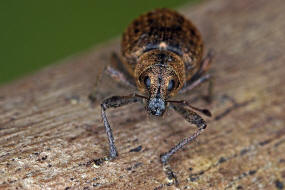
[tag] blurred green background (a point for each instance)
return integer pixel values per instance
(36, 33)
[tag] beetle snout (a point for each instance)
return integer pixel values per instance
(156, 106)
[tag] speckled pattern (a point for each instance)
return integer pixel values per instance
(163, 29)
(51, 137)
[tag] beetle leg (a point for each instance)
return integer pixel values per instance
(206, 62)
(189, 86)
(118, 76)
(187, 104)
(118, 72)
(197, 82)
(201, 77)
(192, 118)
(209, 96)
(114, 102)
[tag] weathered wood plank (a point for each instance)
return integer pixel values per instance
(49, 133)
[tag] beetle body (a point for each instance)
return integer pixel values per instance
(163, 46)
(161, 54)
(162, 32)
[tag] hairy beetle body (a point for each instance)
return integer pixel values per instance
(161, 55)
(162, 35)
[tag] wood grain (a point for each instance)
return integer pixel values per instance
(50, 135)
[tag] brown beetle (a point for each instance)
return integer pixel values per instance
(161, 56)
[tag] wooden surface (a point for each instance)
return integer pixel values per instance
(50, 135)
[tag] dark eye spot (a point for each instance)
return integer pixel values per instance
(147, 81)
(171, 84)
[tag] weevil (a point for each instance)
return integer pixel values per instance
(161, 56)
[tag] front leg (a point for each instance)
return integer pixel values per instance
(191, 117)
(117, 72)
(114, 102)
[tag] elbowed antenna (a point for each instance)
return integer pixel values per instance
(203, 111)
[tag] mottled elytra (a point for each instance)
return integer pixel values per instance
(161, 55)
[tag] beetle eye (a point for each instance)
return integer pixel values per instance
(147, 81)
(171, 84)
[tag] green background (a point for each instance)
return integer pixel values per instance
(36, 33)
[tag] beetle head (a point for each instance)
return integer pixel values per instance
(160, 74)
(160, 82)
